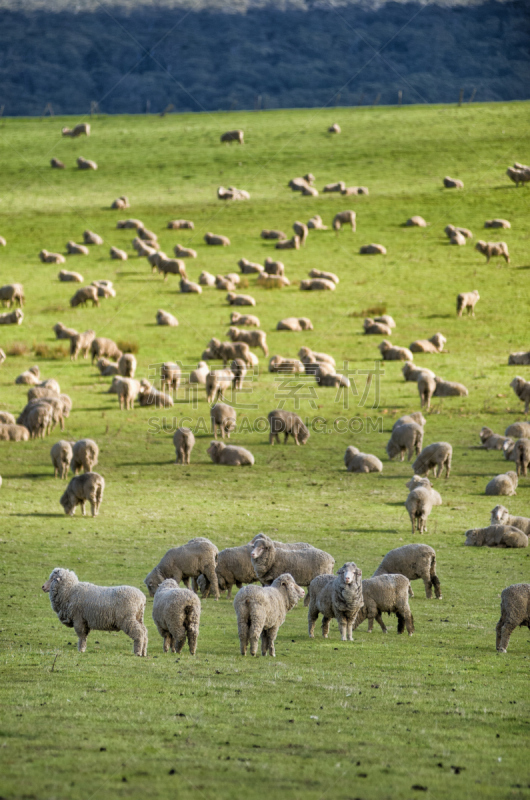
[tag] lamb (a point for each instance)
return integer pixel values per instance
(184, 442)
(329, 276)
(85, 454)
(501, 516)
(372, 250)
(272, 234)
(515, 612)
(215, 239)
(30, 377)
(519, 359)
(80, 343)
(356, 461)
(181, 224)
(415, 221)
(82, 296)
(289, 244)
(492, 441)
(106, 368)
(62, 332)
(419, 503)
(408, 438)
(120, 203)
(315, 223)
(252, 338)
(433, 345)
(218, 382)
(467, 300)
(497, 223)
(233, 136)
(286, 366)
(339, 186)
(170, 376)
(100, 346)
(295, 324)
(200, 374)
(344, 218)
(165, 318)
(85, 607)
(184, 252)
(388, 593)
(12, 293)
(89, 237)
(66, 276)
(262, 610)
(129, 224)
(249, 267)
(376, 328)
(149, 396)
(56, 163)
(505, 484)
(6, 418)
(61, 455)
(288, 423)
(12, 317)
(239, 370)
(176, 614)
(449, 388)
(491, 249)
(206, 279)
(412, 373)
(453, 183)
(414, 561)
(86, 163)
(223, 418)
(496, 536)
(519, 430)
(301, 231)
(77, 130)
(339, 596)
(76, 249)
(392, 353)
(197, 557)
(435, 456)
(51, 258)
(240, 299)
(230, 455)
(317, 284)
(85, 487)
(522, 390)
(10, 432)
(127, 390)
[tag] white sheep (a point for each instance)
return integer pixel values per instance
(339, 596)
(414, 561)
(61, 455)
(88, 486)
(435, 456)
(177, 615)
(261, 610)
(501, 516)
(505, 484)
(356, 461)
(390, 594)
(184, 441)
(515, 610)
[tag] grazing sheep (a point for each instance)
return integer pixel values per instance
(317, 284)
(73, 277)
(227, 351)
(127, 365)
(286, 366)
(433, 345)
(339, 596)
(373, 250)
(295, 324)
(392, 353)
(344, 218)
(61, 455)
(181, 224)
(356, 461)
(197, 557)
(386, 593)
(414, 561)
(419, 503)
(184, 442)
(89, 237)
(118, 255)
(100, 346)
(416, 417)
(501, 516)
(130, 223)
(492, 249)
(218, 382)
(12, 317)
(301, 230)
(120, 203)
(304, 563)
(467, 300)
(184, 252)
(6, 418)
(426, 389)
(77, 130)
(214, 239)
(12, 293)
(518, 175)
(239, 370)
(496, 536)
(240, 299)
(497, 223)
(149, 396)
(86, 163)
(206, 279)
(519, 359)
(30, 377)
(165, 318)
(10, 432)
(449, 388)
(412, 373)
(262, 610)
(223, 418)
(230, 455)
(376, 328)
(200, 374)
(521, 455)
(176, 614)
(522, 390)
(515, 612)
(435, 456)
(127, 390)
(85, 607)
(170, 375)
(416, 221)
(79, 342)
(406, 438)
(85, 487)
(233, 136)
(453, 183)
(287, 422)
(83, 295)
(51, 258)
(492, 441)
(252, 338)
(505, 484)
(85, 453)
(56, 163)
(106, 368)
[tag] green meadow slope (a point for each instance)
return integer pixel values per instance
(386, 716)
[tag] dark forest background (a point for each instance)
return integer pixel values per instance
(149, 58)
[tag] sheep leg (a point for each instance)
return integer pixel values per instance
(193, 633)
(185, 581)
(506, 631)
(82, 630)
(211, 575)
(168, 640)
(179, 638)
(325, 626)
(343, 626)
(83, 510)
(428, 583)
(437, 587)
(272, 633)
(264, 643)
(312, 616)
(255, 631)
(243, 628)
(138, 633)
(286, 437)
(379, 619)
(498, 630)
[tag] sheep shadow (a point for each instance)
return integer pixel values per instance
(370, 530)
(38, 514)
(31, 475)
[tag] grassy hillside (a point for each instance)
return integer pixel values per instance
(378, 718)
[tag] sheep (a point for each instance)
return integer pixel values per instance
(184, 252)
(199, 374)
(100, 346)
(170, 375)
(188, 287)
(83, 295)
(339, 596)
(127, 365)
(10, 432)
(249, 267)
(419, 503)
(206, 279)
(77, 130)
(273, 267)
(519, 430)
(120, 203)
(372, 250)
(12, 317)
(315, 223)
(234, 566)
(518, 175)
(149, 396)
(299, 185)
(239, 370)
(106, 368)
(519, 359)
(224, 284)
(492, 441)
(181, 224)
(467, 300)
(497, 223)
(453, 183)
(289, 244)
(233, 136)
(505, 484)
(435, 456)
(215, 239)
(376, 328)
(252, 338)
(197, 557)
(117, 254)
(65, 276)
(127, 390)
(388, 593)
(262, 610)
(415, 221)
(218, 382)
(62, 332)
(51, 258)
(272, 234)
(355, 461)
(335, 128)
(345, 218)
(295, 324)
(230, 456)
(449, 388)
(407, 438)
(308, 356)
(85, 607)
(287, 422)
(416, 417)
(501, 516)
(515, 612)
(329, 276)
(496, 536)
(317, 284)
(76, 249)
(414, 561)
(491, 249)
(223, 419)
(240, 299)
(391, 353)
(176, 614)
(142, 248)
(349, 190)
(85, 487)
(80, 343)
(61, 456)
(86, 163)
(521, 455)
(6, 418)
(56, 163)
(44, 388)
(129, 224)
(232, 193)
(165, 318)
(37, 417)
(244, 319)
(12, 293)
(30, 377)
(104, 288)
(433, 345)
(413, 373)
(334, 187)
(457, 239)
(184, 442)
(89, 237)
(286, 366)
(522, 390)
(301, 230)
(508, 448)
(85, 453)
(229, 350)
(172, 266)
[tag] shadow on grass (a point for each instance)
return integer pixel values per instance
(31, 475)
(370, 530)
(37, 514)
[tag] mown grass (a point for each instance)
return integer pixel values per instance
(372, 719)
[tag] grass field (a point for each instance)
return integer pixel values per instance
(438, 715)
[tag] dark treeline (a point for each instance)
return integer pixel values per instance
(264, 58)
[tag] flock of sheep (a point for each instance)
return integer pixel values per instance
(282, 570)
